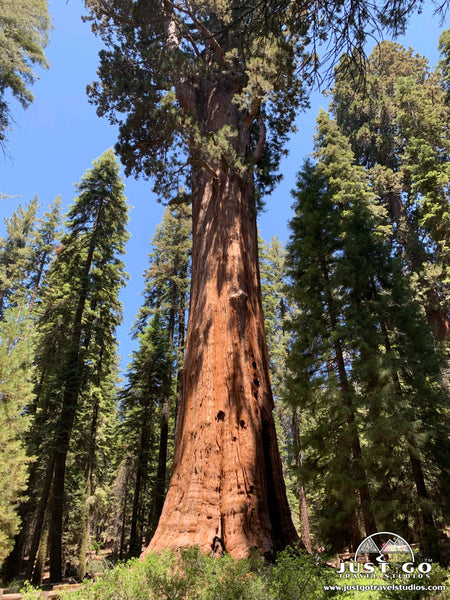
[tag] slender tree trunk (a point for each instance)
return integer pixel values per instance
(141, 477)
(40, 517)
(181, 340)
(89, 468)
(124, 510)
(39, 567)
(303, 504)
(160, 483)
(227, 491)
(74, 373)
(355, 444)
(84, 534)
(37, 283)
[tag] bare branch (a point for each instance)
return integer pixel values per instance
(208, 35)
(261, 140)
(202, 163)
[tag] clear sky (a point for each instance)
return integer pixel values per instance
(56, 140)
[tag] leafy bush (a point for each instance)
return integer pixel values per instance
(437, 577)
(190, 575)
(298, 575)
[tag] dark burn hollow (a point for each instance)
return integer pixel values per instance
(220, 416)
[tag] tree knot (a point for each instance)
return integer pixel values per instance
(238, 300)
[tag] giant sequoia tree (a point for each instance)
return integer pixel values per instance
(209, 90)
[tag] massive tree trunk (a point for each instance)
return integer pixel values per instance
(227, 492)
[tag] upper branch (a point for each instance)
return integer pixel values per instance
(205, 31)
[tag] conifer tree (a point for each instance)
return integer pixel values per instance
(16, 394)
(397, 123)
(43, 243)
(16, 251)
(272, 267)
(26, 251)
(210, 90)
(318, 358)
(276, 310)
(93, 448)
(358, 335)
(24, 29)
(160, 329)
(166, 294)
(148, 386)
(77, 329)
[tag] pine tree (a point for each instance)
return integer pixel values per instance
(318, 364)
(24, 28)
(93, 450)
(272, 267)
(76, 330)
(354, 360)
(16, 394)
(166, 294)
(44, 240)
(26, 252)
(397, 124)
(148, 386)
(276, 310)
(16, 252)
(160, 329)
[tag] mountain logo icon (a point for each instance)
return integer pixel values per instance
(384, 543)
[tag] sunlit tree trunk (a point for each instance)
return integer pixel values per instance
(227, 492)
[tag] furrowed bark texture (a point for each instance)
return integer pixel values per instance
(227, 488)
(227, 492)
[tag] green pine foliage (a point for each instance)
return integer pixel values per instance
(168, 276)
(16, 394)
(149, 400)
(24, 29)
(397, 123)
(272, 264)
(370, 406)
(26, 252)
(16, 251)
(76, 353)
(148, 383)
(272, 269)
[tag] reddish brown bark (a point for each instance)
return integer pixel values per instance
(227, 491)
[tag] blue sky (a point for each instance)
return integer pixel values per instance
(56, 140)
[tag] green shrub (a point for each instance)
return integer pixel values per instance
(190, 575)
(299, 576)
(437, 577)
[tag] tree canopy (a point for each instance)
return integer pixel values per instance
(163, 57)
